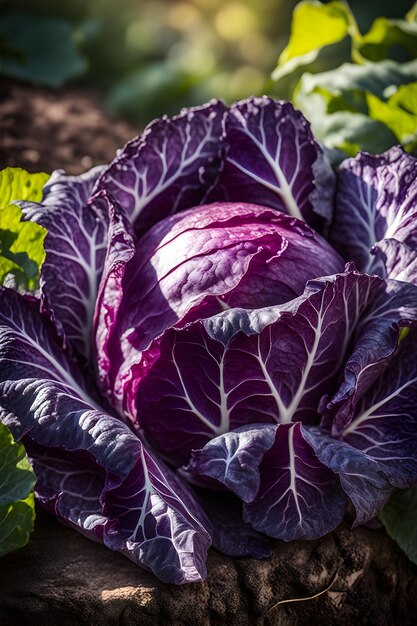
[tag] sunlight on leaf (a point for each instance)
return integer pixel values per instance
(314, 25)
(21, 243)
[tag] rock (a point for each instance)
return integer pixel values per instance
(61, 577)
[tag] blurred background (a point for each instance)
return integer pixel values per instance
(149, 57)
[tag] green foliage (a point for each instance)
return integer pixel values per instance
(399, 517)
(314, 26)
(17, 479)
(398, 113)
(367, 103)
(21, 243)
(42, 50)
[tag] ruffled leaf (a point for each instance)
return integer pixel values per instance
(136, 505)
(376, 199)
(393, 306)
(272, 159)
(248, 366)
(362, 477)
(233, 459)
(299, 497)
(170, 167)
(75, 248)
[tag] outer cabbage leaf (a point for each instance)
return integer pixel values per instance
(244, 367)
(384, 424)
(170, 167)
(120, 250)
(233, 458)
(362, 477)
(396, 260)
(393, 307)
(287, 492)
(204, 260)
(16, 494)
(299, 497)
(376, 199)
(272, 159)
(75, 248)
(145, 511)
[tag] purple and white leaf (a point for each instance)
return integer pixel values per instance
(272, 159)
(393, 306)
(274, 367)
(376, 199)
(396, 260)
(75, 247)
(171, 166)
(362, 477)
(384, 424)
(145, 512)
(233, 459)
(299, 497)
(120, 250)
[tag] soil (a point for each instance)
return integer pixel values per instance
(61, 577)
(354, 578)
(43, 130)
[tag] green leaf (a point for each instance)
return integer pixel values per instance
(17, 479)
(21, 243)
(17, 184)
(16, 524)
(412, 14)
(405, 97)
(386, 39)
(402, 123)
(372, 77)
(44, 49)
(341, 104)
(314, 26)
(399, 517)
(352, 132)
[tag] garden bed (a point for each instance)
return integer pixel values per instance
(61, 577)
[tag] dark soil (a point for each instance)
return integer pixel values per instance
(43, 130)
(62, 578)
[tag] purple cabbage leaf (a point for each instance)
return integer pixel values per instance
(139, 506)
(393, 307)
(242, 367)
(200, 262)
(375, 200)
(272, 159)
(171, 166)
(287, 492)
(75, 247)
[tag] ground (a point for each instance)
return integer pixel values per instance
(61, 577)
